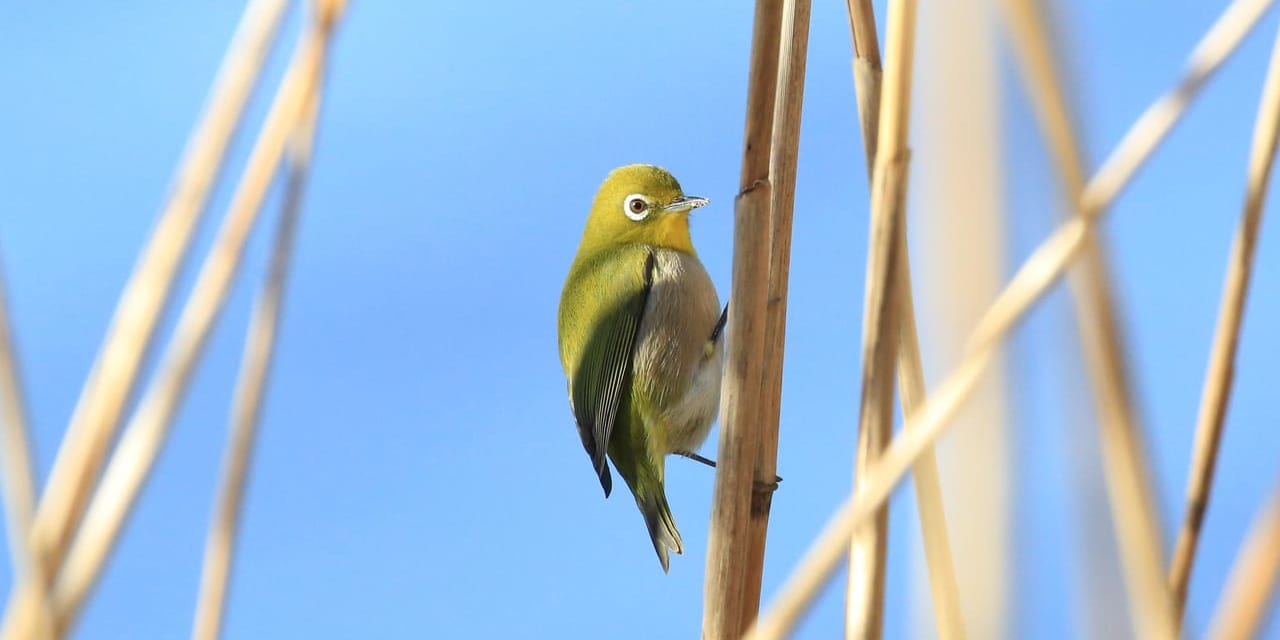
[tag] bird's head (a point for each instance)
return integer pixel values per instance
(641, 203)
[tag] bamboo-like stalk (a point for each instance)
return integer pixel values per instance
(141, 304)
(1251, 586)
(1044, 266)
(726, 611)
(933, 525)
(944, 588)
(146, 432)
(1151, 128)
(251, 387)
(867, 75)
(880, 320)
(1221, 370)
(784, 146)
(724, 596)
(1040, 269)
(1101, 582)
(17, 479)
(1132, 503)
(92, 426)
(958, 207)
(820, 561)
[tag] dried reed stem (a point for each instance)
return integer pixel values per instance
(957, 176)
(880, 320)
(943, 585)
(724, 606)
(1255, 574)
(867, 75)
(726, 611)
(1028, 284)
(113, 375)
(1222, 356)
(251, 387)
(112, 378)
(1044, 266)
(1154, 124)
(146, 432)
(929, 502)
(1132, 504)
(17, 479)
(784, 145)
(819, 562)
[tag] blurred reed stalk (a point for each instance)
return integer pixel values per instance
(1099, 582)
(753, 375)
(111, 380)
(1043, 267)
(959, 265)
(143, 301)
(882, 307)
(868, 74)
(1038, 272)
(1222, 357)
(141, 305)
(1133, 509)
(148, 428)
(251, 384)
(17, 480)
(1251, 586)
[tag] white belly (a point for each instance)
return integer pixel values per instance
(689, 420)
(672, 354)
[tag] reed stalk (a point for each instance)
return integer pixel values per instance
(18, 485)
(251, 387)
(784, 147)
(726, 611)
(882, 308)
(1128, 474)
(114, 373)
(1220, 373)
(1038, 272)
(1255, 574)
(868, 74)
(146, 432)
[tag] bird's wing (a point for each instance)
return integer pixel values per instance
(604, 370)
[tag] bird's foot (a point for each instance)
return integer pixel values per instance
(760, 486)
(697, 458)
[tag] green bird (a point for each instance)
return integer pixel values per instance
(640, 339)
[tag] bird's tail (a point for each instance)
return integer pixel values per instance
(662, 527)
(629, 449)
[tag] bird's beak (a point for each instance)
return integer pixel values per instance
(685, 204)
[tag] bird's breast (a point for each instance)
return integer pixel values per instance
(677, 381)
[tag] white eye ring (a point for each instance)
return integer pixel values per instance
(636, 207)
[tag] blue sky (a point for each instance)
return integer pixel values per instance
(418, 467)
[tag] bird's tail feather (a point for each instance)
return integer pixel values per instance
(662, 527)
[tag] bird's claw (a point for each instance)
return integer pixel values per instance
(760, 486)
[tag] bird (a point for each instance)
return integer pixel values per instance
(640, 332)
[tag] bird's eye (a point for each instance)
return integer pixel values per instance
(636, 207)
